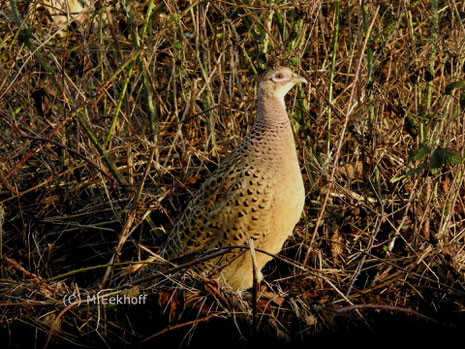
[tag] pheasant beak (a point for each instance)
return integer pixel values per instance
(298, 79)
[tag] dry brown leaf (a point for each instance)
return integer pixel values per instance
(353, 170)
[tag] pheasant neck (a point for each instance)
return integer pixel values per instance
(271, 112)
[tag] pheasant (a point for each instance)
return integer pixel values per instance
(256, 193)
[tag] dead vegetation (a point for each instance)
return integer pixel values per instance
(107, 128)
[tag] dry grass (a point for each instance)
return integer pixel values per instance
(107, 130)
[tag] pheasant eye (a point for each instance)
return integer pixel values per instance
(279, 76)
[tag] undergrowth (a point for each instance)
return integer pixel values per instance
(109, 125)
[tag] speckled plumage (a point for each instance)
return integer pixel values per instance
(257, 192)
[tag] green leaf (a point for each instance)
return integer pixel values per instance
(452, 158)
(411, 126)
(437, 159)
(422, 153)
(462, 100)
(453, 85)
(443, 156)
(415, 170)
(17, 110)
(411, 153)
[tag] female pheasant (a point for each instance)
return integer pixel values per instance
(256, 193)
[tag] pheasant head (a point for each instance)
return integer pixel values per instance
(278, 82)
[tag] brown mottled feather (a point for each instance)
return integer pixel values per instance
(257, 192)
